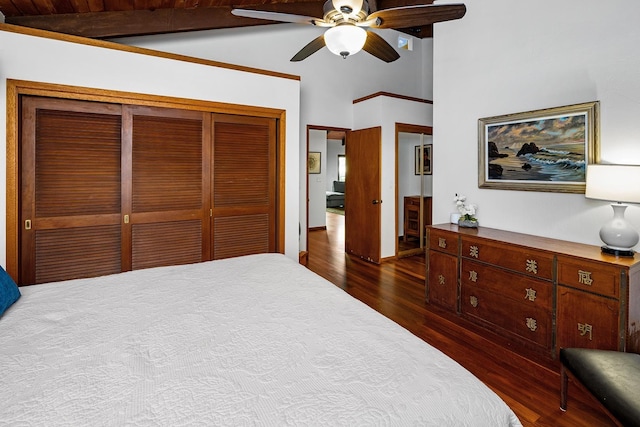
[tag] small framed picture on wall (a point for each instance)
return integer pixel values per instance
(313, 164)
(424, 159)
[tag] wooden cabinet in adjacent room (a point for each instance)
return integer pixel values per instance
(539, 294)
(412, 217)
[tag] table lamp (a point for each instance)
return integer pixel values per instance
(618, 184)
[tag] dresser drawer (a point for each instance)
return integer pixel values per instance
(412, 201)
(520, 259)
(444, 241)
(510, 285)
(586, 320)
(589, 276)
(442, 280)
(530, 322)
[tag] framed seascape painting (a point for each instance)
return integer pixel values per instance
(542, 150)
(424, 161)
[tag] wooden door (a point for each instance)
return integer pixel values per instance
(362, 194)
(70, 223)
(244, 186)
(165, 189)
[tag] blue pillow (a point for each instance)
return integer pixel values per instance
(9, 292)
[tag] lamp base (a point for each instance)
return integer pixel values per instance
(617, 252)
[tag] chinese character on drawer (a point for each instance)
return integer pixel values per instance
(474, 251)
(530, 294)
(532, 324)
(532, 266)
(584, 329)
(442, 242)
(584, 277)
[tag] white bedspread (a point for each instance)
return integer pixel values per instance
(257, 340)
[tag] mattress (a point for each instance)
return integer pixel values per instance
(256, 340)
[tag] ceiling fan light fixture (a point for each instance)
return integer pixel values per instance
(345, 40)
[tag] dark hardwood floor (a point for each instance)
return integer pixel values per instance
(396, 289)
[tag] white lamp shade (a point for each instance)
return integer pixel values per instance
(345, 40)
(616, 183)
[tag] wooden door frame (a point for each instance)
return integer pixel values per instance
(18, 88)
(405, 128)
(309, 128)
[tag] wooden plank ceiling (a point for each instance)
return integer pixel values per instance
(122, 18)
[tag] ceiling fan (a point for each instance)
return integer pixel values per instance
(346, 21)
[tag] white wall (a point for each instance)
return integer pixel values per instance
(507, 57)
(317, 194)
(335, 147)
(385, 112)
(52, 61)
(329, 84)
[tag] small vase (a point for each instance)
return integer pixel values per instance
(468, 223)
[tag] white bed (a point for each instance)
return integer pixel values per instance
(256, 340)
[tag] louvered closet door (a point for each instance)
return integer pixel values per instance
(244, 186)
(167, 201)
(70, 190)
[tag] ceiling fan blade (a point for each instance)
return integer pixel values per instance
(378, 47)
(311, 48)
(276, 16)
(416, 16)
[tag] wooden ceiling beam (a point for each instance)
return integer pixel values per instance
(125, 23)
(145, 22)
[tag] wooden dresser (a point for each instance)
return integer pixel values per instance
(412, 215)
(539, 293)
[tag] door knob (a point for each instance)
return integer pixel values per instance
(375, 202)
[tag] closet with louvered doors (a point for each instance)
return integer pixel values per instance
(165, 188)
(244, 186)
(70, 184)
(108, 188)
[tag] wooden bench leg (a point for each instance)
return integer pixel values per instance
(564, 384)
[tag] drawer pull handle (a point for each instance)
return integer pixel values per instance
(441, 279)
(473, 276)
(442, 242)
(532, 324)
(530, 294)
(584, 329)
(532, 266)
(584, 277)
(473, 300)
(474, 251)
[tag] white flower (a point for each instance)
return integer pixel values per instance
(467, 211)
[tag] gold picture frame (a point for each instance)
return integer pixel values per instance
(313, 163)
(541, 150)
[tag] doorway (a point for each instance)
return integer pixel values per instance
(414, 155)
(326, 178)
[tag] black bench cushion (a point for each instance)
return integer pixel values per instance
(613, 377)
